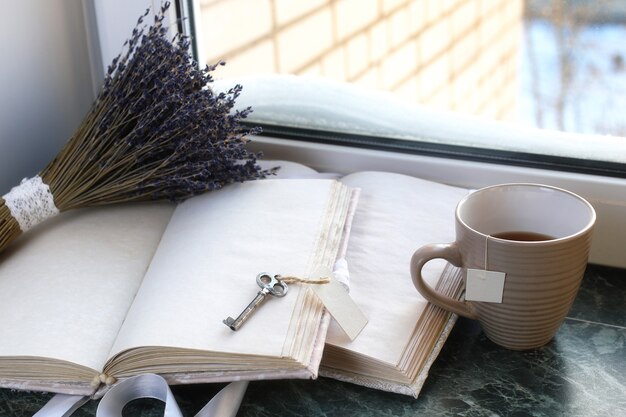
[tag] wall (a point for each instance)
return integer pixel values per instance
(46, 83)
(457, 54)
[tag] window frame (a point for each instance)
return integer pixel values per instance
(445, 150)
(605, 189)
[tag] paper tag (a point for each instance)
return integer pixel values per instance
(342, 307)
(484, 285)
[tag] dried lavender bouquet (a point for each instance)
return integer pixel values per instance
(155, 131)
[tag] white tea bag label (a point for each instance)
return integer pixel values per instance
(342, 307)
(482, 285)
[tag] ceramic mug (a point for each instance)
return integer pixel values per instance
(539, 236)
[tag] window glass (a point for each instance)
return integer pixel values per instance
(573, 67)
(552, 64)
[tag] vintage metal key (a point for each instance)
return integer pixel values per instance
(270, 284)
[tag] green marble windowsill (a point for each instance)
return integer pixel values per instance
(582, 372)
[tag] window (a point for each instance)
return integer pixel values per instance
(333, 125)
(550, 64)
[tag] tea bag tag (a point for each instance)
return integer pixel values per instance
(483, 285)
(339, 304)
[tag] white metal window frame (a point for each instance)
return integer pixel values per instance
(110, 21)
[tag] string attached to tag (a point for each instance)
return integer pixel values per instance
(482, 284)
(333, 294)
(298, 280)
(486, 251)
(271, 284)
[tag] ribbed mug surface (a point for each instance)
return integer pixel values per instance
(542, 277)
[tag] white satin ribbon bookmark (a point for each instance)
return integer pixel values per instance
(224, 404)
(62, 405)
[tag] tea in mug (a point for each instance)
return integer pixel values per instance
(522, 236)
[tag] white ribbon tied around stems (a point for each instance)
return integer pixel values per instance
(224, 404)
(31, 202)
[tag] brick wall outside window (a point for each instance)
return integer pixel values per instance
(456, 54)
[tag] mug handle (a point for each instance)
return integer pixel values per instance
(449, 252)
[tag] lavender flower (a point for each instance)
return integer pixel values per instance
(156, 131)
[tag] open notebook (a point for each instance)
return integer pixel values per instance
(396, 214)
(101, 294)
